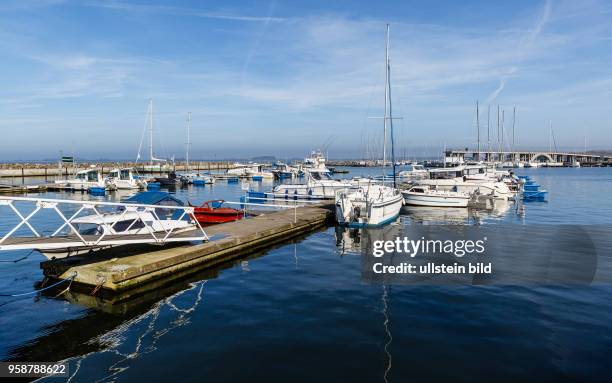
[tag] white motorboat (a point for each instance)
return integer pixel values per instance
(124, 179)
(414, 171)
(283, 171)
(84, 179)
(318, 185)
(127, 223)
(250, 170)
(258, 172)
(315, 163)
(196, 178)
(367, 206)
(373, 204)
(469, 179)
(424, 195)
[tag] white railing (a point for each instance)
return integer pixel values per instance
(146, 214)
(246, 204)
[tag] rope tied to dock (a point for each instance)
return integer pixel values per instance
(101, 280)
(71, 278)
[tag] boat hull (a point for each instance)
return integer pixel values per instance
(419, 199)
(356, 212)
(215, 216)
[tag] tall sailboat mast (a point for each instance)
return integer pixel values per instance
(188, 139)
(151, 158)
(386, 101)
(488, 156)
(388, 86)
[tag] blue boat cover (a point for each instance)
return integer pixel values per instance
(153, 198)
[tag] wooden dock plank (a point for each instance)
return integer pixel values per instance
(228, 241)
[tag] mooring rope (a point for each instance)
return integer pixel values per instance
(43, 289)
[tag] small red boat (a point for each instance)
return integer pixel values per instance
(212, 212)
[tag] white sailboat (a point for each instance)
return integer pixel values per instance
(374, 204)
(191, 177)
(155, 164)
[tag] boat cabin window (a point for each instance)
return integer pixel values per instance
(125, 174)
(92, 176)
(472, 171)
(81, 176)
(320, 176)
(444, 175)
(122, 226)
(418, 190)
(113, 174)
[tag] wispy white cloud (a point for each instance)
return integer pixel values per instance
(178, 11)
(319, 71)
(524, 45)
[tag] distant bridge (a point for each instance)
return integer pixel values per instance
(566, 158)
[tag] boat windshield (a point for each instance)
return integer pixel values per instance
(168, 213)
(444, 175)
(472, 171)
(88, 228)
(131, 224)
(125, 174)
(113, 174)
(321, 176)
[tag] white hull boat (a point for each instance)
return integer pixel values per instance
(415, 172)
(83, 180)
(424, 196)
(470, 179)
(371, 206)
(374, 204)
(318, 185)
(123, 179)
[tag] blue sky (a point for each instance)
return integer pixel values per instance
(285, 77)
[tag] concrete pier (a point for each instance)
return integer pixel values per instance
(24, 170)
(131, 271)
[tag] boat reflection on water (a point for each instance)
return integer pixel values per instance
(453, 216)
(347, 239)
(438, 215)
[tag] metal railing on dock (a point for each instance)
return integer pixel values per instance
(110, 232)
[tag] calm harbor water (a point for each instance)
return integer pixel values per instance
(300, 311)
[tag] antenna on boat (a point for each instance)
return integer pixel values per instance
(478, 129)
(488, 130)
(151, 131)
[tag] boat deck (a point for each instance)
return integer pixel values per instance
(122, 269)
